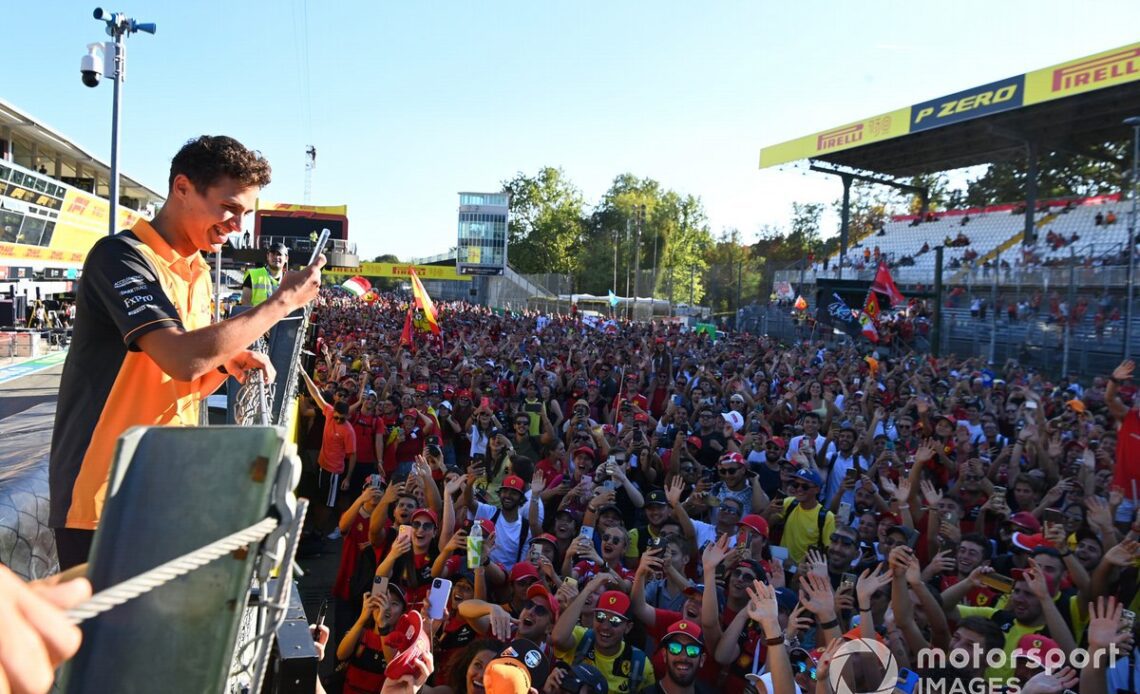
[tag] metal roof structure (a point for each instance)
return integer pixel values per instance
(33, 143)
(1070, 106)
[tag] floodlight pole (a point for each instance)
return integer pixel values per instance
(119, 26)
(1134, 121)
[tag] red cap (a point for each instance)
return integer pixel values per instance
(546, 537)
(411, 412)
(659, 341)
(641, 417)
(1042, 651)
(733, 458)
(583, 450)
(523, 569)
(1030, 542)
(755, 522)
(463, 393)
(426, 512)
(684, 628)
(487, 526)
(421, 387)
(540, 591)
(779, 441)
(694, 441)
(514, 482)
(1026, 520)
(949, 418)
(614, 601)
(608, 429)
(448, 392)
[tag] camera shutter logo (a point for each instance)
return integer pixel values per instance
(849, 649)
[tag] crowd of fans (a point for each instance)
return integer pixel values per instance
(650, 509)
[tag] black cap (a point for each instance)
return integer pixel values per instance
(656, 496)
(530, 655)
(588, 676)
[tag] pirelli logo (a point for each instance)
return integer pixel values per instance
(1103, 69)
(839, 137)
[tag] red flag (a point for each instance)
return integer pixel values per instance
(406, 335)
(801, 304)
(885, 285)
(871, 306)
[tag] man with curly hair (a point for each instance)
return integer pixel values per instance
(144, 350)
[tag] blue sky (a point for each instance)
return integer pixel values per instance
(409, 103)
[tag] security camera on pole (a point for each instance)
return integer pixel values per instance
(110, 59)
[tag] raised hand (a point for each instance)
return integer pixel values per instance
(817, 597)
(1035, 578)
(817, 562)
(1099, 514)
(870, 581)
(930, 493)
(1104, 623)
(458, 541)
(651, 562)
(1045, 683)
(799, 622)
(1122, 554)
(762, 607)
(1124, 371)
(673, 491)
(715, 554)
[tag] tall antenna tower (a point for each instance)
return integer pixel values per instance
(310, 164)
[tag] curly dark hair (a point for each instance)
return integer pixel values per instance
(206, 159)
(458, 675)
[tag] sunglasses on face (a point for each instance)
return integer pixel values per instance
(540, 610)
(338, 419)
(726, 471)
(614, 619)
(691, 650)
(423, 525)
(742, 574)
(800, 486)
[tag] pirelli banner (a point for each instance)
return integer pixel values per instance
(1100, 71)
(399, 270)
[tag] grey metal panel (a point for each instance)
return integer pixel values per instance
(171, 491)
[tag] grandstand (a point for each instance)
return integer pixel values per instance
(992, 231)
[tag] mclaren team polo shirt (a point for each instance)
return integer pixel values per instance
(132, 283)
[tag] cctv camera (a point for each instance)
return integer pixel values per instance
(91, 65)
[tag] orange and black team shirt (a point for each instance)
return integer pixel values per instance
(132, 283)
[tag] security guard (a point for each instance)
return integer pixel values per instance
(261, 282)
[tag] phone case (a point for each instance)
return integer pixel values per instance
(440, 593)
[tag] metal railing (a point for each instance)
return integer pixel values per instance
(295, 243)
(1104, 276)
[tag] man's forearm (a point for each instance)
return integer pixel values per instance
(186, 356)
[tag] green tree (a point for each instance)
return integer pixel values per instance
(546, 227)
(385, 284)
(674, 236)
(734, 273)
(1098, 171)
